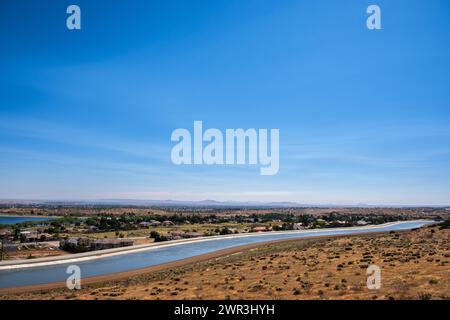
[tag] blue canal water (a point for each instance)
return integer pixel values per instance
(153, 256)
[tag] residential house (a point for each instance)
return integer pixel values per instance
(102, 244)
(192, 234)
(298, 226)
(261, 229)
(177, 233)
(5, 233)
(155, 223)
(145, 224)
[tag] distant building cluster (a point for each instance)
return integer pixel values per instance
(78, 244)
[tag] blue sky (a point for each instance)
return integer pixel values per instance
(363, 115)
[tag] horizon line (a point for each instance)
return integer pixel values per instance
(212, 202)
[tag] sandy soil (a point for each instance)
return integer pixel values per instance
(414, 265)
(33, 253)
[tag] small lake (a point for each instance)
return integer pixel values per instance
(19, 219)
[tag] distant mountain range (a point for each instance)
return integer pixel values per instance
(202, 203)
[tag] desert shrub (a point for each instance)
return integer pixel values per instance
(74, 248)
(433, 281)
(424, 296)
(157, 237)
(444, 225)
